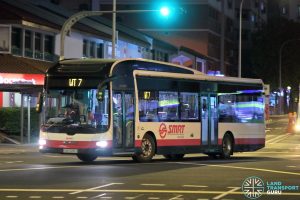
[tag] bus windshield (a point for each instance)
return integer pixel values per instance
(76, 110)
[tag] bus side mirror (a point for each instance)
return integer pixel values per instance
(39, 103)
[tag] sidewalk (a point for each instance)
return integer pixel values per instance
(18, 148)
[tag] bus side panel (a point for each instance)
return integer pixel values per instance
(171, 137)
(247, 136)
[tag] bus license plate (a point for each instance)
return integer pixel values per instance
(70, 150)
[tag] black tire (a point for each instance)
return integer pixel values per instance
(212, 155)
(148, 150)
(87, 157)
(174, 156)
(227, 147)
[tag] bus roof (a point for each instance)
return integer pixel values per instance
(92, 65)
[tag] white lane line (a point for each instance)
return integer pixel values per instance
(37, 168)
(94, 188)
(149, 184)
(177, 198)
(35, 197)
(134, 197)
(81, 197)
(279, 140)
(226, 193)
(100, 195)
(11, 197)
(276, 138)
(106, 197)
(195, 186)
(243, 168)
(153, 198)
(58, 197)
(292, 166)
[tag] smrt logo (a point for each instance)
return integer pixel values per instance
(253, 187)
(163, 130)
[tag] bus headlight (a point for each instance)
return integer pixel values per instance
(42, 142)
(102, 144)
(297, 127)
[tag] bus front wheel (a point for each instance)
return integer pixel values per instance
(227, 147)
(87, 157)
(148, 150)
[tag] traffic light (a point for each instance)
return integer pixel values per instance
(165, 11)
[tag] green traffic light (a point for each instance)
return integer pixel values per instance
(165, 11)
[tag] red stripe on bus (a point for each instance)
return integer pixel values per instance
(176, 142)
(74, 144)
(246, 141)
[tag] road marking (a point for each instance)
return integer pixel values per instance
(58, 197)
(226, 193)
(106, 197)
(94, 188)
(176, 198)
(11, 197)
(81, 197)
(149, 184)
(140, 191)
(35, 197)
(100, 195)
(195, 186)
(244, 168)
(37, 168)
(153, 198)
(276, 138)
(292, 166)
(134, 197)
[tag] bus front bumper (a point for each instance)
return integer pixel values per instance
(94, 151)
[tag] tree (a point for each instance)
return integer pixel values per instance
(265, 53)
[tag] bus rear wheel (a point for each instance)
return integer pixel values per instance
(227, 147)
(87, 157)
(148, 150)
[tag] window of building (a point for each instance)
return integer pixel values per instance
(49, 47)
(92, 49)
(85, 48)
(283, 10)
(38, 53)
(99, 50)
(229, 4)
(28, 44)
(16, 41)
(36, 45)
(298, 10)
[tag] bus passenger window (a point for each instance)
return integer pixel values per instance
(189, 106)
(147, 108)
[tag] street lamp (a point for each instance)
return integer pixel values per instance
(77, 16)
(240, 41)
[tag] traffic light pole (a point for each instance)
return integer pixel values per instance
(77, 16)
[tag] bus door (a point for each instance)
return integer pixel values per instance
(209, 119)
(123, 116)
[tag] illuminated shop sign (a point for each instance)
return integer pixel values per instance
(21, 79)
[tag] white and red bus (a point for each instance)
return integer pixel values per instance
(139, 108)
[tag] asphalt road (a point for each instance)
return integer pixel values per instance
(27, 174)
